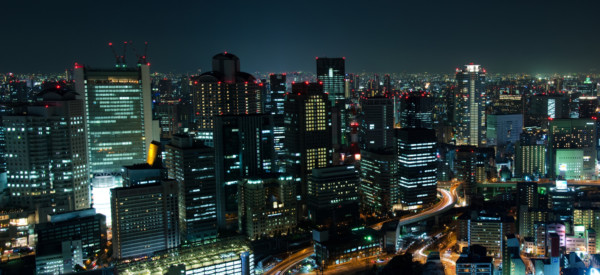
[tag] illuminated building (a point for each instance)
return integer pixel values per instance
(541, 107)
(527, 219)
(243, 148)
(267, 207)
(192, 164)
(530, 159)
(417, 167)
(84, 225)
(504, 129)
(488, 230)
(307, 132)
(511, 258)
(378, 184)
(60, 258)
(567, 135)
(527, 194)
(359, 243)
(416, 110)
(224, 256)
(588, 106)
(377, 123)
(118, 120)
(118, 116)
(223, 91)
(470, 105)
(333, 196)
(145, 219)
(331, 72)
(17, 228)
(277, 93)
(47, 164)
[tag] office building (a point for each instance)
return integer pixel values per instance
(192, 164)
(504, 129)
(378, 188)
(473, 260)
(488, 230)
(223, 91)
(47, 164)
(527, 194)
(307, 132)
(569, 134)
(60, 258)
(84, 226)
(333, 196)
(278, 89)
(17, 228)
(331, 71)
(377, 123)
(118, 116)
(470, 105)
(417, 167)
(530, 160)
(146, 219)
(267, 207)
(243, 148)
(416, 110)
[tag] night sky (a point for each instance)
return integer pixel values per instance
(277, 36)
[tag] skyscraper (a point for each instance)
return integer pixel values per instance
(331, 72)
(378, 182)
(278, 90)
(416, 110)
(377, 123)
(146, 219)
(193, 166)
(47, 165)
(417, 167)
(223, 91)
(243, 148)
(118, 116)
(565, 135)
(470, 105)
(308, 131)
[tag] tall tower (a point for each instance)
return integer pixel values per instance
(417, 167)
(278, 89)
(243, 148)
(331, 72)
(118, 116)
(47, 164)
(193, 166)
(470, 105)
(377, 124)
(223, 91)
(307, 131)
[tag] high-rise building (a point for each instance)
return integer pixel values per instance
(278, 89)
(504, 129)
(145, 218)
(333, 196)
(307, 131)
(223, 91)
(488, 230)
(530, 157)
(331, 72)
(192, 164)
(470, 105)
(417, 167)
(378, 182)
(416, 110)
(527, 194)
(267, 207)
(47, 164)
(243, 148)
(377, 123)
(569, 134)
(118, 116)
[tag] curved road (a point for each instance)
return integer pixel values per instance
(446, 203)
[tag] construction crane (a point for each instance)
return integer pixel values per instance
(142, 58)
(123, 62)
(117, 57)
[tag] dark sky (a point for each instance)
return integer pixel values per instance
(276, 36)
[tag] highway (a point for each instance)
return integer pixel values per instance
(448, 198)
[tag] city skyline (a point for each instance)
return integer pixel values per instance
(277, 37)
